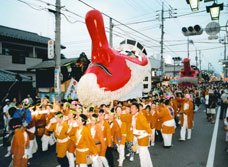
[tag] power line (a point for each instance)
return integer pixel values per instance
(138, 22)
(73, 13)
(32, 6)
(72, 22)
(195, 50)
(190, 13)
(49, 4)
(121, 23)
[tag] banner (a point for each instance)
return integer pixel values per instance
(71, 90)
(51, 53)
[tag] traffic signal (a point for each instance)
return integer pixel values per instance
(189, 31)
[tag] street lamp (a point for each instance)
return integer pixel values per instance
(194, 4)
(214, 10)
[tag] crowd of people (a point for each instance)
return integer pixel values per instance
(89, 134)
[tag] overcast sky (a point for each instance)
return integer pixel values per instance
(74, 34)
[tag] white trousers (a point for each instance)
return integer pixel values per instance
(96, 161)
(144, 156)
(121, 154)
(184, 128)
(167, 138)
(6, 122)
(70, 157)
(45, 140)
(104, 161)
(136, 142)
(196, 108)
(30, 149)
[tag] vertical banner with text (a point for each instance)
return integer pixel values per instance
(51, 53)
(57, 80)
(71, 90)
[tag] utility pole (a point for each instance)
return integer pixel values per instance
(196, 59)
(225, 58)
(57, 48)
(188, 47)
(200, 65)
(162, 37)
(162, 34)
(110, 32)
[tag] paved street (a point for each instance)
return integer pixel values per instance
(191, 153)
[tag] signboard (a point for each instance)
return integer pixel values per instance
(51, 53)
(71, 90)
(57, 81)
(173, 82)
(212, 29)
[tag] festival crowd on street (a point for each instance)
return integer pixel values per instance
(88, 135)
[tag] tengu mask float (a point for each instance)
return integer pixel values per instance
(111, 74)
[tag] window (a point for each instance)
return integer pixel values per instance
(146, 79)
(139, 46)
(42, 54)
(144, 51)
(123, 42)
(18, 52)
(5, 51)
(18, 58)
(131, 42)
(145, 86)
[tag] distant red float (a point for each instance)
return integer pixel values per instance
(188, 76)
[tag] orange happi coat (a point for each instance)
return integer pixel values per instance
(105, 127)
(19, 143)
(190, 115)
(115, 132)
(40, 123)
(159, 121)
(140, 127)
(123, 129)
(167, 114)
(61, 133)
(97, 135)
(127, 119)
(84, 144)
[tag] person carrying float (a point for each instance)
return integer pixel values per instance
(168, 123)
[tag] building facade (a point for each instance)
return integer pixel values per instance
(20, 50)
(173, 71)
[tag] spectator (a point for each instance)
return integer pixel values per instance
(223, 103)
(13, 103)
(5, 112)
(23, 114)
(30, 100)
(212, 106)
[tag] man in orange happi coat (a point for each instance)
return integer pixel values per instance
(19, 144)
(142, 131)
(168, 124)
(60, 129)
(186, 118)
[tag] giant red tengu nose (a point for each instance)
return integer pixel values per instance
(111, 74)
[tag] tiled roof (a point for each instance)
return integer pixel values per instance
(24, 35)
(8, 76)
(51, 63)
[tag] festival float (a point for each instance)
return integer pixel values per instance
(189, 76)
(111, 73)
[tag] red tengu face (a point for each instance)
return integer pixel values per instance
(111, 74)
